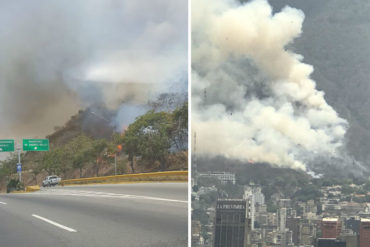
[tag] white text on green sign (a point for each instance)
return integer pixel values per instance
(35, 145)
(6, 145)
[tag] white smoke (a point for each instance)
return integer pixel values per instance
(60, 56)
(253, 98)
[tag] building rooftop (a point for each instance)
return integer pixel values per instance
(330, 219)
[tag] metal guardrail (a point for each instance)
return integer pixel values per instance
(181, 176)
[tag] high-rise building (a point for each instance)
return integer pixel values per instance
(307, 232)
(292, 223)
(330, 227)
(329, 242)
(351, 240)
(282, 219)
(224, 177)
(196, 238)
(249, 197)
(353, 223)
(194, 162)
(256, 191)
(231, 223)
(365, 233)
(259, 197)
(282, 226)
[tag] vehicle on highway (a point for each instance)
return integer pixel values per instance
(51, 181)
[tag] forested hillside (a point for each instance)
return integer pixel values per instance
(155, 141)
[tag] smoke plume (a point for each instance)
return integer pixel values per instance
(61, 56)
(253, 98)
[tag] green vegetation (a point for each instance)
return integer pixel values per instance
(78, 153)
(347, 190)
(208, 182)
(285, 183)
(271, 208)
(308, 192)
(152, 135)
(151, 138)
(14, 185)
(8, 167)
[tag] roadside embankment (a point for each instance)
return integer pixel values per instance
(170, 176)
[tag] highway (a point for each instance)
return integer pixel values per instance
(132, 215)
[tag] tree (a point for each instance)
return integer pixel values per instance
(271, 207)
(117, 138)
(308, 192)
(84, 150)
(180, 127)
(95, 152)
(209, 198)
(78, 150)
(36, 171)
(79, 160)
(347, 190)
(149, 137)
(208, 182)
(14, 184)
(65, 160)
(52, 161)
(8, 166)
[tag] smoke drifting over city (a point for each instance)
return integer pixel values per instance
(253, 98)
(59, 56)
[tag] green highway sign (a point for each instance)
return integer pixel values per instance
(6, 145)
(35, 145)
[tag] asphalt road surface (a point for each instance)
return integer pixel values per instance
(132, 215)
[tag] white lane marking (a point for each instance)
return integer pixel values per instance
(54, 223)
(4, 203)
(156, 198)
(104, 194)
(113, 195)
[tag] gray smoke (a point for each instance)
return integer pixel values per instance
(61, 56)
(253, 98)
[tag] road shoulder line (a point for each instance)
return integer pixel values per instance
(54, 223)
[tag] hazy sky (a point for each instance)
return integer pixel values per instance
(60, 56)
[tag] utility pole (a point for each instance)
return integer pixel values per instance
(115, 164)
(195, 165)
(19, 163)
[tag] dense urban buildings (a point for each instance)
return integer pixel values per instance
(227, 214)
(224, 177)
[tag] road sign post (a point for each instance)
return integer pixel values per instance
(35, 145)
(19, 170)
(19, 165)
(115, 164)
(6, 145)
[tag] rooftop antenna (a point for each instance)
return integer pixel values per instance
(194, 170)
(205, 95)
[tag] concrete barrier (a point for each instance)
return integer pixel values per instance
(32, 188)
(171, 176)
(17, 192)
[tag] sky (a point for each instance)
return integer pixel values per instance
(61, 56)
